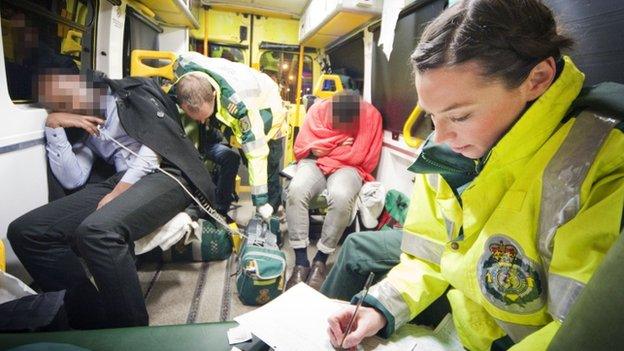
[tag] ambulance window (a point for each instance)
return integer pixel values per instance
(282, 68)
(227, 52)
(232, 52)
(43, 34)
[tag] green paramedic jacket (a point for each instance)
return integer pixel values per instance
(518, 243)
(248, 102)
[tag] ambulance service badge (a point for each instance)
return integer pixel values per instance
(508, 279)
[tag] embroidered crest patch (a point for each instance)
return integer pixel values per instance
(245, 124)
(508, 279)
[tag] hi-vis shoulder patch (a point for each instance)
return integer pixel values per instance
(231, 104)
(232, 109)
(245, 124)
(508, 279)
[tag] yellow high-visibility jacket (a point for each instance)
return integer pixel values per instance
(248, 102)
(516, 245)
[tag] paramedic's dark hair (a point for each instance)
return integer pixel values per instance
(194, 89)
(507, 37)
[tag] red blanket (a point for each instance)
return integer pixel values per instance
(317, 133)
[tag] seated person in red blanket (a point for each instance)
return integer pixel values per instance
(337, 148)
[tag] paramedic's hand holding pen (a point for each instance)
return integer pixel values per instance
(350, 326)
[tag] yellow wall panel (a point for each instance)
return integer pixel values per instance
(274, 30)
(277, 30)
(223, 26)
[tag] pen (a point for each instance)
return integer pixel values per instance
(369, 281)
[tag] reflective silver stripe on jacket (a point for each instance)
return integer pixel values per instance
(253, 145)
(564, 175)
(433, 179)
(516, 332)
(422, 248)
(391, 299)
(561, 192)
(450, 227)
(259, 189)
(565, 291)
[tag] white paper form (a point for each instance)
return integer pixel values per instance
(295, 321)
(403, 339)
(444, 338)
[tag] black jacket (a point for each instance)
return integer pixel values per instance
(148, 115)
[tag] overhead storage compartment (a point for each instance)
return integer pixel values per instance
(171, 12)
(324, 21)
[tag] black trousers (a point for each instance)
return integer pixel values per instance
(49, 239)
(228, 161)
(274, 166)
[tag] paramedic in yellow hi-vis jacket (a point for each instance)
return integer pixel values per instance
(248, 103)
(519, 191)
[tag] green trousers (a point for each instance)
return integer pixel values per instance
(362, 253)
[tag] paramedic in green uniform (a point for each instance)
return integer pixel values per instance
(249, 105)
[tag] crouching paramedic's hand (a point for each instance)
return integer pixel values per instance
(265, 211)
(367, 322)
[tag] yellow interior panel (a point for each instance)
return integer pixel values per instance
(411, 140)
(319, 40)
(139, 68)
(277, 30)
(342, 23)
(324, 94)
(223, 26)
(252, 10)
(71, 44)
(274, 30)
(172, 12)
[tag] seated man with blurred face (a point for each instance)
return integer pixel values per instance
(337, 149)
(101, 221)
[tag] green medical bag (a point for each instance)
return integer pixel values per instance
(262, 265)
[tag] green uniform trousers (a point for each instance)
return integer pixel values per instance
(362, 253)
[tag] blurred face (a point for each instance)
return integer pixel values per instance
(200, 114)
(346, 113)
(470, 113)
(70, 93)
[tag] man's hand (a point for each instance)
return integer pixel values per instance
(319, 152)
(120, 188)
(368, 322)
(348, 142)
(67, 120)
(265, 211)
(324, 152)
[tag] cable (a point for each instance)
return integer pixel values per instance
(208, 209)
